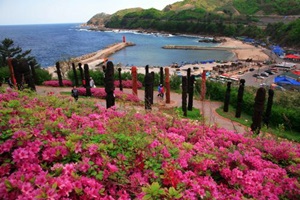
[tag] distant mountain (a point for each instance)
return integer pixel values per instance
(99, 19)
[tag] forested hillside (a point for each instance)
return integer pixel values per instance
(244, 7)
(218, 18)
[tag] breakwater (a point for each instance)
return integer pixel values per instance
(93, 59)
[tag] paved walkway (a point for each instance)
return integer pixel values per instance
(207, 108)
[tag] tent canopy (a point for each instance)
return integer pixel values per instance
(277, 50)
(286, 80)
(292, 56)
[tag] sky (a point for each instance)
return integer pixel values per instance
(17, 12)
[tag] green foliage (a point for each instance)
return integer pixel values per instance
(173, 193)
(287, 34)
(285, 110)
(153, 191)
(41, 76)
(4, 73)
(191, 114)
(98, 77)
(8, 50)
(175, 82)
(246, 7)
(150, 14)
(202, 18)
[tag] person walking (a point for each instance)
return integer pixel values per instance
(75, 93)
(161, 91)
(9, 82)
(92, 83)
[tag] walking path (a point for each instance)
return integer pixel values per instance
(207, 108)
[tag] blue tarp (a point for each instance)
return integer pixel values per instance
(277, 50)
(285, 80)
(249, 40)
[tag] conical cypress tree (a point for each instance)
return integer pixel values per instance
(258, 110)
(59, 74)
(87, 80)
(269, 107)
(240, 99)
(227, 97)
(109, 84)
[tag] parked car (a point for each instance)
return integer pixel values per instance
(255, 75)
(264, 74)
(269, 72)
(274, 69)
(260, 77)
(251, 69)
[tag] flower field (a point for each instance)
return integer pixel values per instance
(68, 83)
(127, 84)
(100, 93)
(55, 148)
(55, 83)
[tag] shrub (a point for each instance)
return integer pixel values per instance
(41, 76)
(175, 82)
(4, 73)
(285, 109)
(55, 148)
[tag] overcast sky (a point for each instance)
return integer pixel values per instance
(14, 12)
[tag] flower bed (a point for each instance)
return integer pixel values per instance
(52, 148)
(100, 93)
(127, 84)
(55, 83)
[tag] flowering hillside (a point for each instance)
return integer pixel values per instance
(53, 148)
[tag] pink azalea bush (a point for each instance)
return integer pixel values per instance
(54, 148)
(100, 93)
(127, 84)
(55, 83)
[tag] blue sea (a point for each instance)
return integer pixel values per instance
(55, 42)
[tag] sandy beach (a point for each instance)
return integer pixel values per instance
(244, 51)
(241, 50)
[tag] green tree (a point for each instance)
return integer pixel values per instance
(8, 50)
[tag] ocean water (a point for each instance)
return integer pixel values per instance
(54, 42)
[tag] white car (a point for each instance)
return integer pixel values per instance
(265, 74)
(260, 77)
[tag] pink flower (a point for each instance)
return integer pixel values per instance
(166, 153)
(55, 83)
(93, 148)
(21, 155)
(26, 188)
(154, 144)
(6, 146)
(112, 168)
(68, 169)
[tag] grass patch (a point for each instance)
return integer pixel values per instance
(191, 114)
(246, 120)
(65, 93)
